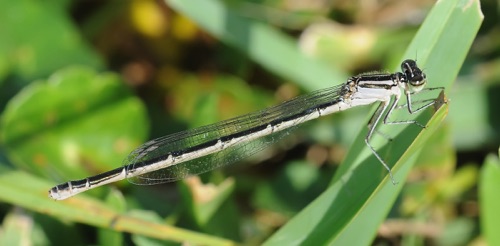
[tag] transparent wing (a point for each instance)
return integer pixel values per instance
(177, 142)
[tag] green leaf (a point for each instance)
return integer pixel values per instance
(479, 127)
(210, 206)
(31, 194)
(107, 236)
(351, 209)
(489, 200)
(205, 199)
(74, 124)
(302, 181)
(361, 195)
(40, 38)
(18, 229)
(263, 43)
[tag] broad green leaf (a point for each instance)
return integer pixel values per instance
(39, 37)
(76, 123)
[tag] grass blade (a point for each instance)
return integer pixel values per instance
(350, 211)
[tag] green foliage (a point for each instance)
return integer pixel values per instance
(64, 127)
(40, 40)
(489, 199)
(62, 118)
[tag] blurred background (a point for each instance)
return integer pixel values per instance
(83, 83)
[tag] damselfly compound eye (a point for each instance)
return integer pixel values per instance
(414, 75)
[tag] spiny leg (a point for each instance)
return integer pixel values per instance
(371, 128)
(408, 104)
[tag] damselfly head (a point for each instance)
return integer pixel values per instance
(414, 75)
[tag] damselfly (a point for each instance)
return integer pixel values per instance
(199, 150)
